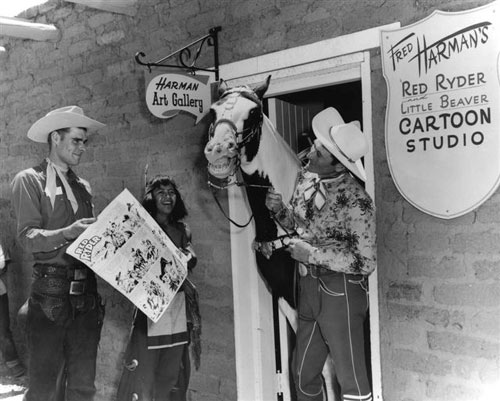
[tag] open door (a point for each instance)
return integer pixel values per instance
(292, 115)
(318, 66)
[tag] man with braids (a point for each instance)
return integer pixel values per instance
(334, 219)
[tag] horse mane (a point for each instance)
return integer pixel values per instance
(274, 160)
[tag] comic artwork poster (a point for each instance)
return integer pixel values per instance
(129, 250)
(442, 120)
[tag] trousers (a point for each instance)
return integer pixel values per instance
(54, 347)
(153, 374)
(332, 309)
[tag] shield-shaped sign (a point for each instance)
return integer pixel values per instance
(442, 121)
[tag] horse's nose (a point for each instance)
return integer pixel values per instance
(231, 145)
(209, 147)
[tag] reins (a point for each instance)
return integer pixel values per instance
(226, 185)
(242, 138)
(243, 184)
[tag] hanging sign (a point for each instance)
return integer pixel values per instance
(169, 94)
(442, 122)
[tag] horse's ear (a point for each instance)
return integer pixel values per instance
(262, 88)
(222, 87)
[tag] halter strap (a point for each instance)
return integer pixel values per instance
(243, 92)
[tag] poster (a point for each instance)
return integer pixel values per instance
(129, 250)
(442, 120)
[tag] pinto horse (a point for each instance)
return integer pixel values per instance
(241, 136)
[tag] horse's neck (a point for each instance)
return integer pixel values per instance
(276, 160)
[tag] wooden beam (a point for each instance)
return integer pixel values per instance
(128, 7)
(20, 28)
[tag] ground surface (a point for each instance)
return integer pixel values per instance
(11, 388)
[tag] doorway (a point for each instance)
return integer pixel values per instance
(309, 72)
(292, 116)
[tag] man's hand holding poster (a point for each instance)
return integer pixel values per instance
(128, 249)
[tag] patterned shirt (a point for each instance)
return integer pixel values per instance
(337, 217)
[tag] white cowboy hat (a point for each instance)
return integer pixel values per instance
(344, 141)
(65, 117)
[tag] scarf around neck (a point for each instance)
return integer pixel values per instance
(51, 187)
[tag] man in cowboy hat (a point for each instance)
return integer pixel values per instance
(53, 207)
(335, 223)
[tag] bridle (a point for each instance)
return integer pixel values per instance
(242, 138)
(246, 135)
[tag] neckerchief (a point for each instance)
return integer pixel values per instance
(51, 186)
(317, 191)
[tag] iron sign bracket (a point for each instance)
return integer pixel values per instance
(188, 55)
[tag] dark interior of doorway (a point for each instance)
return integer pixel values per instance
(346, 98)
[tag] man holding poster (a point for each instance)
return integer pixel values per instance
(53, 207)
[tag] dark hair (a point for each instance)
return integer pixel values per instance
(179, 211)
(62, 133)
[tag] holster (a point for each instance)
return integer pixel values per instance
(63, 291)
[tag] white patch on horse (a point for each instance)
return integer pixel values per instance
(274, 160)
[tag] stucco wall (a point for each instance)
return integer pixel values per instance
(439, 280)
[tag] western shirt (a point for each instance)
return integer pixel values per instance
(39, 224)
(337, 217)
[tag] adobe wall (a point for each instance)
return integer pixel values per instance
(439, 282)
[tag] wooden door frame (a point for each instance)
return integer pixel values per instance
(324, 63)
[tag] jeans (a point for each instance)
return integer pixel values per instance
(332, 310)
(54, 347)
(7, 345)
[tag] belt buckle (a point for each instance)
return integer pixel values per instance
(77, 288)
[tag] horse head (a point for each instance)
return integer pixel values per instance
(235, 132)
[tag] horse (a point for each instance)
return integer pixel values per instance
(242, 137)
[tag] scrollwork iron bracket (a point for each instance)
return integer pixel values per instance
(187, 58)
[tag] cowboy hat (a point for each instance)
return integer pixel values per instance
(344, 141)
(65, 117)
